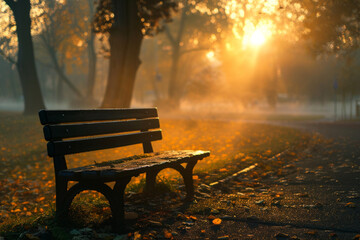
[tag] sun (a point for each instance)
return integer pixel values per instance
(210, 55)
(257, 38)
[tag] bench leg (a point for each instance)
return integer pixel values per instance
(61, 192)
(64, 203)
(150, 181)
(187, 174)
(115, 197)
(188, 180)
(117, 207)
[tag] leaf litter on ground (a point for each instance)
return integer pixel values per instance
(27, 184)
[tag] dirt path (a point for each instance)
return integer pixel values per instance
(318, 198)
(336, 130)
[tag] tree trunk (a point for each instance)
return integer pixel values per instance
(343, 105)
(92, 59)
(13, 94)
(174, 94)
(125, 43)
(91, 66)
(33, 100)
(60, 88)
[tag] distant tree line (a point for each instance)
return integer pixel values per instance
(64, 34)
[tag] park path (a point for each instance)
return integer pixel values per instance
(339, 131)
(322, 197)
(319, 199)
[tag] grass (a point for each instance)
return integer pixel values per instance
(254, 116)
(27, 179)
(289, 117)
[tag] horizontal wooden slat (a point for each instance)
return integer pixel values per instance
(59, 148)
(54, 132)
(132, 166)
(68, 116)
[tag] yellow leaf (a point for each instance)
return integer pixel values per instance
(40, 199)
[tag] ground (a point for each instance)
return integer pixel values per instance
(316, 197)
(310, 190)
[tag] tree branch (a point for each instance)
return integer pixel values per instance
(44, 64)
(194, 50)
(168, 34)
(8, 58)
(182, 22)
(61, 73)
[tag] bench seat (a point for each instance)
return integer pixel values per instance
(85, 130)
(132, 166)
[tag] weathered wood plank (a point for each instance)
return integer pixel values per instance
(67, 116)
(54, 132)
(132, 166)
(58, 148)
(75, 124)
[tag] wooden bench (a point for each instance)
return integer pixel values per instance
(78, 131)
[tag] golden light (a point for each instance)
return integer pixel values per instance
(257, 38)
(210, 55)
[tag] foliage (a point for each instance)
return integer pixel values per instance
(151, 12)
(8, 41)
(332, 26)
(63, 25)
(8, 37)
(26, 173)
(198, 26)
(65, 29)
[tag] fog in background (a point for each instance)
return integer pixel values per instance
(244, 72)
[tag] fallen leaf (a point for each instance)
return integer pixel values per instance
(333, 235)
(281, 235)
(167, 234)
(216, 221)
(226, 237)
(350, 205)
(357, 237)
(313, 233)
(193, 218)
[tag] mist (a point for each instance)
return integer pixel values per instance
(179, 119)
(224, 61)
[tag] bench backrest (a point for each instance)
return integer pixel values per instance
(77, 131)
